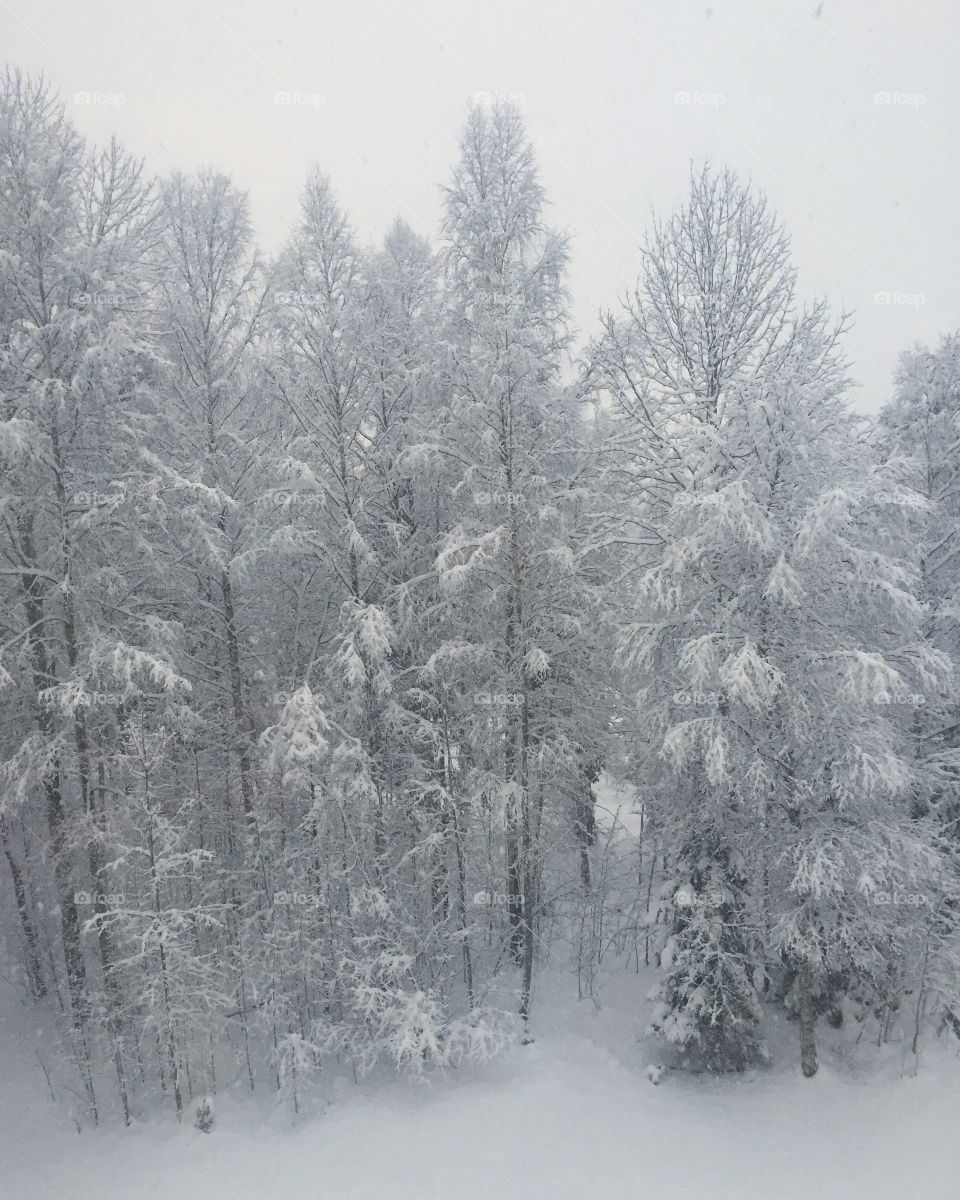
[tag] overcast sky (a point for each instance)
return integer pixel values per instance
(845, 113)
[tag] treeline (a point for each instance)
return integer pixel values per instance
(332, 585)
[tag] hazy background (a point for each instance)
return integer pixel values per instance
(786, 93)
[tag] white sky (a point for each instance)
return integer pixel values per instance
(869, 191)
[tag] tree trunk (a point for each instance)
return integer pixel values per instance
(513, 855)
(808, 1021)
(585, 828)
(528, 867)
(461, 895)
(244, 726)
(56, 816)
(31, 950)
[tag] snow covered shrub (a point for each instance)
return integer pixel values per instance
(708, 1005)
(481, 1035)
(412, 1026)
(298, 1062)
(203, 1117)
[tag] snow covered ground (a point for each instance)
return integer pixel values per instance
(571, 1116)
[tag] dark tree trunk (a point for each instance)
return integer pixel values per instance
(31, 950)
(806, 1008)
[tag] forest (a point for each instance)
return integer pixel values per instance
(379, 653)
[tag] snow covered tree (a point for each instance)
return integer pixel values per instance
(77, 231)
(322, 590)
(760, 591)
(510, 563)
(920, 434)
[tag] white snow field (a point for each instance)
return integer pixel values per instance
(572, 1115)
